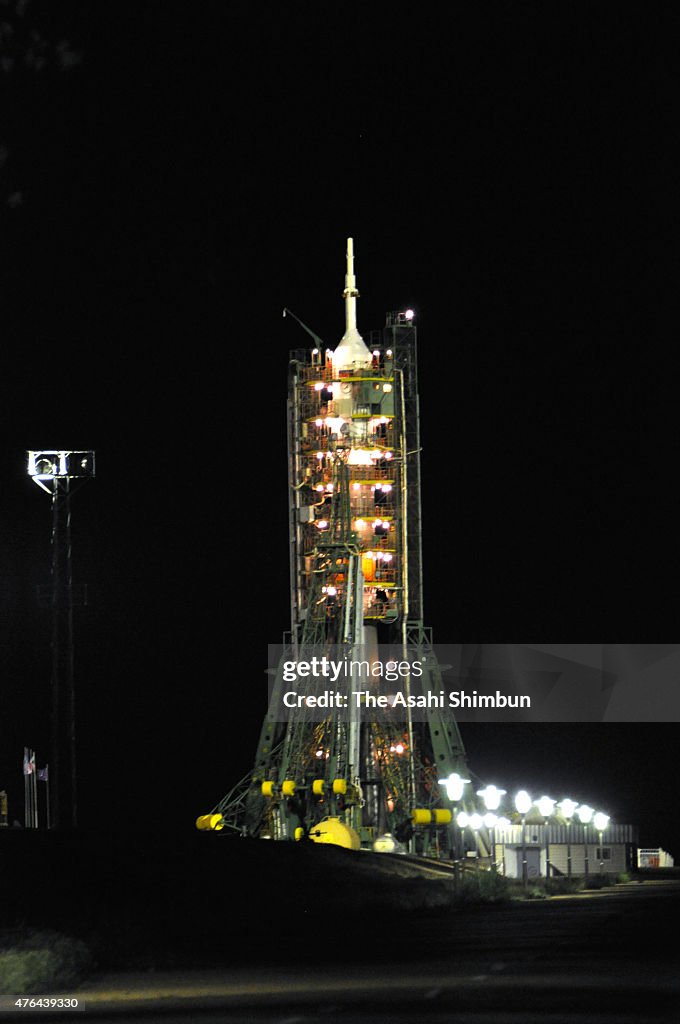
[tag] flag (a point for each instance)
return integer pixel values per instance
(29, 761)
(43, 774)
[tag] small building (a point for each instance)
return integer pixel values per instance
(655, 858)
(561, 850)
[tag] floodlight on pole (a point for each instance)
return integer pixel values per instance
(491, 823)
(601, 823)
(455, 788)
(585, 816)
(524, 803)
(546, 807)
(567, 809)
(504, 824)
(476, 822)
(462, 820)
(53, 470)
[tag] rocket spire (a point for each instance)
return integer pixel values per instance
(350, 293)
(352, 351)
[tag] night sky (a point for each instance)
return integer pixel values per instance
(170, 179)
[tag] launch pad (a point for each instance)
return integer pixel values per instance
(356, 772)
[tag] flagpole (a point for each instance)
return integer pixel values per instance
(31, 807)
(47, 793)
(31, 786)
(34, 784)
(28, 810)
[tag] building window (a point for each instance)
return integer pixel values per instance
(605, 854)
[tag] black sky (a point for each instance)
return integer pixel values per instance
(506, 171)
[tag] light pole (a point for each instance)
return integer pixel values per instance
(601, 822)
(546, 806)
(476, 822)
(462, 820)
(492, 797)
(504, 823)
(524, 803)
(585, 816)
(455, 787)
(490, 823)
(53, 471)
(567, 809)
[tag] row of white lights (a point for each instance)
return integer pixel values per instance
(376, 351)
(492, 797)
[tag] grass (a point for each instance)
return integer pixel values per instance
(482, 887)
(37, 961)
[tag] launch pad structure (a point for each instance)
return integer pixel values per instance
(347, 775)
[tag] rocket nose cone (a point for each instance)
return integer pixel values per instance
(351, 351)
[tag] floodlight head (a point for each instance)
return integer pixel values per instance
(49, 465)
(585, 814)
(568, 809)
(546, 806)
(601, 821)
(455, 786)
(523, 802)
(463, 819)
(400, 318)
(490, 820)
(492, 797)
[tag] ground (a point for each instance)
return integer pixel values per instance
(277, 931)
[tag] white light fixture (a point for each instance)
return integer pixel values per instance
(492, 797)
(546, 806)
(585, 814)
(47, 466)
(567, 809)
(523, 802)
(601, 821)
(455, 786)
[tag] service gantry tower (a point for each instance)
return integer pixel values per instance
(349, 776)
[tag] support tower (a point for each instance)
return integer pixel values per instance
(350, 776)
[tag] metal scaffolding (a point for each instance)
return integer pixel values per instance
(356, 591)
(54, 472)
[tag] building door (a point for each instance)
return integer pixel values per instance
(533, 862)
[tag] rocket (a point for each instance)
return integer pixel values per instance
(352, 352)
